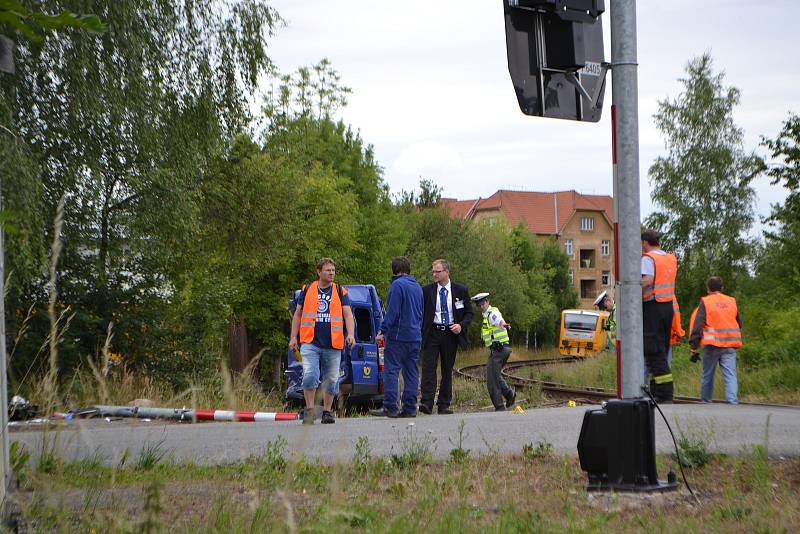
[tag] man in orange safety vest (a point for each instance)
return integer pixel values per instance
(323, 322)
(717, 327)
(659, 269)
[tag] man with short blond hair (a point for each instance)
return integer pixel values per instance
(322, 314)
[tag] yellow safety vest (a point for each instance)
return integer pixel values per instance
(492, 334)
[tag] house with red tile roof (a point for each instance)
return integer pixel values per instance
(582, 224)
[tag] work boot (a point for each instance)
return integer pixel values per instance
(511, 398)
(383, 412)
(663, 393)
(444, 411)
(308, 416)
(499, 408)
(327, 418)
(425, 409)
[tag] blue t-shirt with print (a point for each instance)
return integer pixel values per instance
(322, 328)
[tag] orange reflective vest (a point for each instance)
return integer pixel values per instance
(308, 318)
(721, 328)
(663, 288)
(677, 330)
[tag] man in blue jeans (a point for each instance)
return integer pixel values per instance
(402, 332)
(716, 326)
(322, 313)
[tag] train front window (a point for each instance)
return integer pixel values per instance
(574, 321)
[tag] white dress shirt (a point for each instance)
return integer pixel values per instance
(438, 317)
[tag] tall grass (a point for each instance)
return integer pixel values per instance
(122, 386)
(779, 383)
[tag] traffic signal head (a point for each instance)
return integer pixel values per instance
(555, 57)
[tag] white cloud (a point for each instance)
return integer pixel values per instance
(429, 159)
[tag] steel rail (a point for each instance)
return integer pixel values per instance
(582, 394)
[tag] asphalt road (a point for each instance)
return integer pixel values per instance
(723, 428)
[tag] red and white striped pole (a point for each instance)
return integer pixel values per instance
(249, 417)
(186, 414)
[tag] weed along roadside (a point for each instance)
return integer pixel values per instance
(423, 483)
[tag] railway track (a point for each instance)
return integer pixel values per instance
(558, 392)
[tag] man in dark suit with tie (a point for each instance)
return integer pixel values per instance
(445, 326)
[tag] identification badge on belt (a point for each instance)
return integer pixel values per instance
(459, 304)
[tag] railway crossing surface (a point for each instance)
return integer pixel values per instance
(723, 428)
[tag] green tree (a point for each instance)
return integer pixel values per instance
(548, 289)
(123, 125)
(783, 233)
(702, 187)
(480, 256)
(430, 194)
(301, 129)
(33, 24)
(263, 224)
(19, 170)
(777, 276)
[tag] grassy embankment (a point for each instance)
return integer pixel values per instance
(779, 383)
(534, 491)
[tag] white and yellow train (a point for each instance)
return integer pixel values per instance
(583, 332)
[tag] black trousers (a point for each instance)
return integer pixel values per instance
(441, 347)
(656, 328)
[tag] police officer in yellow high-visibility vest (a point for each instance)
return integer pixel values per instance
(494, 333)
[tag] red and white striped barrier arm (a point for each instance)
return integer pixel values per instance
(250, 417)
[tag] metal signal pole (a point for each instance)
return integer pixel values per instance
(6, 66)
(625, 122)
(4, 470)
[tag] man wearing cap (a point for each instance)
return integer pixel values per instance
(494, 333)
(606, 303)
(445, 324)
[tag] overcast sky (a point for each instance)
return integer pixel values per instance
(432, 93)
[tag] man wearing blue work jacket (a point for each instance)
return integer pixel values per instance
(401, 330)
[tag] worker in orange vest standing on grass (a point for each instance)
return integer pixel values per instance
(717, 327)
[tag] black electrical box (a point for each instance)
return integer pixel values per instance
(617, 447)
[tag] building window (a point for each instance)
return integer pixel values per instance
(605, 247)
(571, 277)
(606, 278)
(568, 247)
(588, 290)
(587, 259)
(587, 224)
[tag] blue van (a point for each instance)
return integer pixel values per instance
(361, 370)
